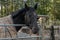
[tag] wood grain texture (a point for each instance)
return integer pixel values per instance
(7, 31)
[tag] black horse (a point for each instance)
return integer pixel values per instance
(27, 16)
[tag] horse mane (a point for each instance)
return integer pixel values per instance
(16, 13)
(18, 17)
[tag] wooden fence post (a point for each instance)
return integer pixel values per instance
(52, 33)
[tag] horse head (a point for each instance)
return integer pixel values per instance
(28, 16)
(31, 18)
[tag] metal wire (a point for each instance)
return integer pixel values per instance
(12, 25)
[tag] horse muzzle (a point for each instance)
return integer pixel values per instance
(35, 30)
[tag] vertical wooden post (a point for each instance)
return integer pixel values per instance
(52, 33)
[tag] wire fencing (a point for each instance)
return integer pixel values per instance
(44, 34)
(19, 36)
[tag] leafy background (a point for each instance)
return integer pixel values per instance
(45, 7)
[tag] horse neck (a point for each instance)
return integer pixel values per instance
(18, 18)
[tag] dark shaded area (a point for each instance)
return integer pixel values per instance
(52, 33)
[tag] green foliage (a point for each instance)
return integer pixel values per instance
(57, 9)
(45, 7)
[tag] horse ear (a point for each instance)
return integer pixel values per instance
(35, 7)
(26, 5)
